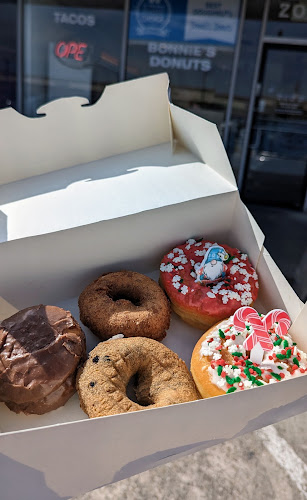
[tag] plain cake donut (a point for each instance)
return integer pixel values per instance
(125, 302)
(162, 377)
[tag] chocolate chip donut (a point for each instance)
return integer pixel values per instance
(125, 302)
(40, 347)
(162, 377)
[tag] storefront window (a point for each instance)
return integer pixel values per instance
(244, 79)
(194, 42)
(7, 54)
(71, 49)
(277, 160)
(288, 19)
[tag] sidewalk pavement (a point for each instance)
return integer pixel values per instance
(267, 464)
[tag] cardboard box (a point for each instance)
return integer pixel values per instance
(132, 178)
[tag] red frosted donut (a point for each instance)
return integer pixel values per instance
(201, 299)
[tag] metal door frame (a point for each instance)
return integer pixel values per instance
(263, 40)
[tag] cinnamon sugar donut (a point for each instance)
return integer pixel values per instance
(202, 301)
(162, 377)
(125, 302)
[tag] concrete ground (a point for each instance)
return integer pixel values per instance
(270, 463)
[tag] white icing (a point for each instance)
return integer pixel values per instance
(277, 366)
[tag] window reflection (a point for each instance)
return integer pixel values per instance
(7, 54)
(70, 50)
(287, 18)
(194, 42)
(277, 165)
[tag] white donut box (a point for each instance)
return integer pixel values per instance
(116, 185)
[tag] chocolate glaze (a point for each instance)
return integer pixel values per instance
(51, 402)
(39, 348)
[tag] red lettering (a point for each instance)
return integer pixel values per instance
(63, 49)
(80, 52)
(72, 48)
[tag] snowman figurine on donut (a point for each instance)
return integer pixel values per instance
(212, 267)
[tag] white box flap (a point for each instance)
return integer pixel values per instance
(128, 116)
(298, 329)
(202, 138)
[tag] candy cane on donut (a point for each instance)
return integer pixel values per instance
(259, 340)
(244, 314)
(277, 316)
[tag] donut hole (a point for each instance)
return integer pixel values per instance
(132, 390)
(129, 295)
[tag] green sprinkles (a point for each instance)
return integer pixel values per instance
(246, 371)
(286, 343)
(280, 356)
(231, 389)
(219, 370)
(237, 354)
(257, 370)
(221, 334)
(230, 380)
(296, 361)
(275, 375)
(288, 353)
(277, 342)
(258, 382)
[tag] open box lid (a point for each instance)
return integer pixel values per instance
(79, 164)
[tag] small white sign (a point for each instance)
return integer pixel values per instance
(212, 21)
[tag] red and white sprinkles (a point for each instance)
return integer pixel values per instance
(238, 286)
(282, 362)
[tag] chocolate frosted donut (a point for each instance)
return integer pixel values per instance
(162, 377)
(51, 402)
(39, 348)
(125, 302)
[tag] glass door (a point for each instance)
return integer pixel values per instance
(277, 157)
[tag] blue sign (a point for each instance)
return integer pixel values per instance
(188, 21)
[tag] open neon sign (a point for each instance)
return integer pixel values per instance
(64, 50)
